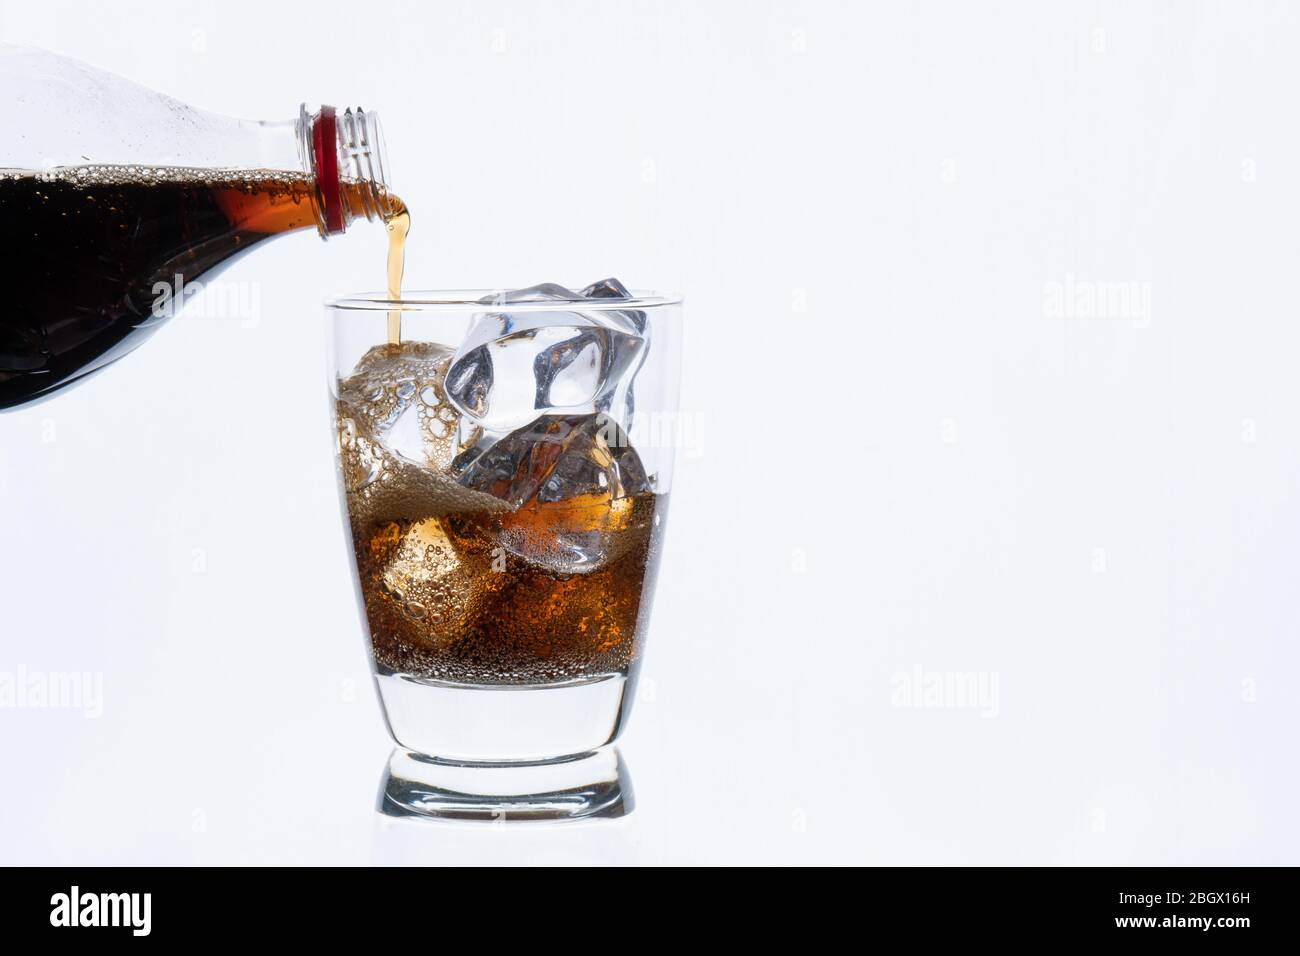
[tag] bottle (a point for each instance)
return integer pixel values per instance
(113, 197)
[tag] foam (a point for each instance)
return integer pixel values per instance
(114, 175)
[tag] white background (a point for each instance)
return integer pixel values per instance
(915, 457)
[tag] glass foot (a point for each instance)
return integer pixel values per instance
(504, 723)
(594, 784)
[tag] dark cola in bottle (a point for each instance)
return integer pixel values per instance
(113, 197)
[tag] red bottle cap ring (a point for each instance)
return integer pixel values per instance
(324, 135)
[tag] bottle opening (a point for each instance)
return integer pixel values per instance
(344, 153)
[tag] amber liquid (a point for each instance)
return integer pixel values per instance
(399, 224)
(445, 600)
(84, 249)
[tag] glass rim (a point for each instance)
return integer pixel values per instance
(471, 300)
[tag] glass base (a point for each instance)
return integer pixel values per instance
(504, 723)
(578, 787)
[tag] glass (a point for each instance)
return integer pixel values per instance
(505, 461)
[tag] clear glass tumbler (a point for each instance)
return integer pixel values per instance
(505, 460)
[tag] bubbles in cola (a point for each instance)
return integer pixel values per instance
(397, 435)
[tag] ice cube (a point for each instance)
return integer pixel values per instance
(542, 292)
(514, 367)
(611, 288)
(553, 458)
(420, 587)
(398, 435)
(396, 394)
(569, 482)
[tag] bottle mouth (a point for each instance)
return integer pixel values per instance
(361, 147)
(345, 155)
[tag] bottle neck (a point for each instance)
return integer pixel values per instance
(345, 156)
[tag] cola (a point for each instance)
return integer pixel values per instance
(526, 560)
(91, 255)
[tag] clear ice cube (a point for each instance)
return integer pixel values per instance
(396, 392)
(569, 482)
(553, 458)
(514, 367)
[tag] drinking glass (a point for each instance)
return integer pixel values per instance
(504, 469)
